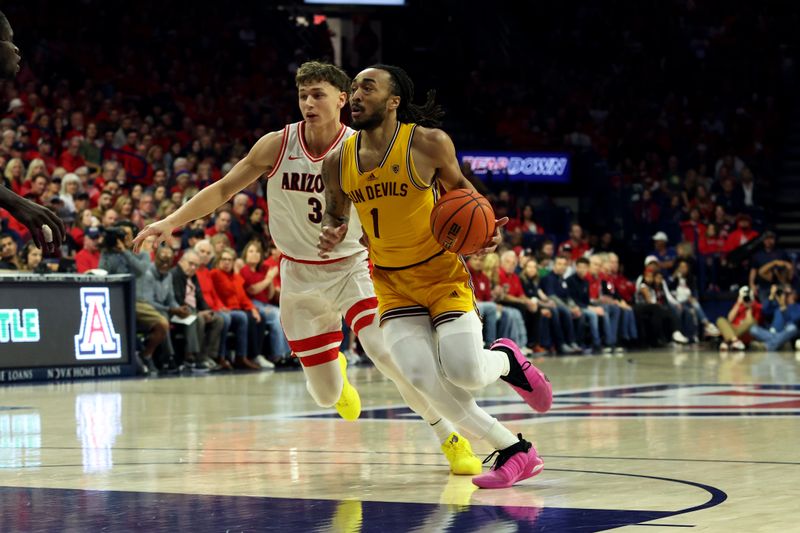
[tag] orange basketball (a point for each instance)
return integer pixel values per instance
(462, 221)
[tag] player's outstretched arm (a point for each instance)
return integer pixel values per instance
(261, 158)
(337, 206)
(434, 151)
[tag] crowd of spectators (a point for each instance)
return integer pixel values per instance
(674, 175)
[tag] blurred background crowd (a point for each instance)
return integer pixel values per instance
(679, 117)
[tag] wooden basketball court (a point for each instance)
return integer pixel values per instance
(667, 440)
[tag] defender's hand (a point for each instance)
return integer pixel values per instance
(329, 238)
(496, 239)
(161, 230)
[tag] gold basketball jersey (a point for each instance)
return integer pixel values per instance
(393, 203)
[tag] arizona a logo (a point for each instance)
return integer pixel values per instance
(96, 338)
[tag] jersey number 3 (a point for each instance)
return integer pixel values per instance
(315, 215)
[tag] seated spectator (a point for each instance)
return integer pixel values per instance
(222, 224)
(608, 291)
(157, 290)
(70, 187)
(8, 253)
(743, 233)
(730, 197)
(554, 332)
(683, 287)
(656, 321)
(70, 159)
(694, 228)
(511, 324)
(487, 307)
(554, 286)
(202, 337)
(258, 284)
(751, 194)
(619, 315)
(578, 287)
(784, 311)
(666, 255)
(618, 284)
(116, 257)
(31, 260)
(735, 328)
(230, 288)
(514, 296)
(711, 250)
(769, 266)
(577, 244)
(88, 257)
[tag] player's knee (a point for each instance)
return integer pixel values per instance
(371, 338)
(462, 368)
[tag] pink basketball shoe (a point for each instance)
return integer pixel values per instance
(527, 380)
(516, 463)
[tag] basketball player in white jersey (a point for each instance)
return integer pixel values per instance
(315, 293)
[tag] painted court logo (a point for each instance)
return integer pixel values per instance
(96, 338)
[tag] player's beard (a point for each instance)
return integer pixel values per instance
(8, 66)
(369, 122)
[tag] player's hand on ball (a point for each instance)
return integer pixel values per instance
(496, 239)
(161, 230)
(329, 238)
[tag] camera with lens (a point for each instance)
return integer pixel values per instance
(111, 236)
(744, 292)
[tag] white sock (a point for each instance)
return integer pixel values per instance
(500, 437)
(443, 429)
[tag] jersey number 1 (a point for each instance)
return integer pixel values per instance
(375, 230)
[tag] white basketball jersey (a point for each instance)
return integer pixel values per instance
(296, 199)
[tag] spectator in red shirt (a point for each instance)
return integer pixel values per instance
(230, 288)
(693, 229)
(482, 286)
(746, 312)
(222, 224)
(711, 248)
(236, 320)
(743, 233)
(514, 296)
(577, 245)
(258, 284)
(70, 159)
(88, 258)
(621, 286)
(274, 260)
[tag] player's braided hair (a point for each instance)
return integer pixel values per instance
(428, 114)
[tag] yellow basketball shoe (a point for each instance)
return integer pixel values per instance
(349, 404)
(459, 454)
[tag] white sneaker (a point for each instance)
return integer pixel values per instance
(608, 350)
(262, 361)
(797, 345)
(738, 345)
(619, 350)
(711, 330)
(723, 347)
(679, 337)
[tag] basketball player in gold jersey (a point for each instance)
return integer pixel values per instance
(390, 170)
(313, 290)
